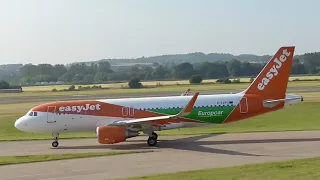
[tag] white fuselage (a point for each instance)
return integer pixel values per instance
(46, 122)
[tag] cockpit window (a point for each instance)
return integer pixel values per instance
(33, 114)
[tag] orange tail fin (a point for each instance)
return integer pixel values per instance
(273, 79)
(270, 84)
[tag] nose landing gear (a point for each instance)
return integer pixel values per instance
(55, 142)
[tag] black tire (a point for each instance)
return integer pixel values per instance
(152, 141)
(55, 144)
(155, 135)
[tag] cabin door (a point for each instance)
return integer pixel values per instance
(244, 105)
(51, 114)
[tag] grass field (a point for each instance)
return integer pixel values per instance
(303, 116)
(6, 160)
(302, 169)
(44, 91)
(152, 83)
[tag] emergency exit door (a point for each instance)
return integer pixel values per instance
(244, 105)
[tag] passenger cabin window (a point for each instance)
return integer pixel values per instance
(35, 113)
(31, 114)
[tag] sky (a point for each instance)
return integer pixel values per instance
(66, 31)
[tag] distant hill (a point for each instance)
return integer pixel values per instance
(196, 57)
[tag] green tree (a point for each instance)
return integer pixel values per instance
(195, 79)
(101, 76)
(66, 77)
(104, 66)
(234, 68)
(135, 83)
(183, 70)
(88, 78)
(4, 85)
(78, 77)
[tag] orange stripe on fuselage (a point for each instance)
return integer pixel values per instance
(97, 108)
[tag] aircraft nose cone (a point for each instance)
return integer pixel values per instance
(19, 124)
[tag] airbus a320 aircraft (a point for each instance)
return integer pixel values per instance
(116, 120)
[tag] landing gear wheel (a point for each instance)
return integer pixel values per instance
(155, 135)
(152, 141)
(55, 144)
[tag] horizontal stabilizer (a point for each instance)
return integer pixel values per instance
(272, 103)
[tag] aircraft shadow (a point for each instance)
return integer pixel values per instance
(190, 144)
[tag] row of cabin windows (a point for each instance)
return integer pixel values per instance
(183, 107)
(225, 105)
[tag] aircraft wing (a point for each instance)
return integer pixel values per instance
(184, 112)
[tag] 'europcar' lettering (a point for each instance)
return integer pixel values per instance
(210, 113)
(80, 108)
(274, 70)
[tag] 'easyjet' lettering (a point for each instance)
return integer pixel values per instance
(274, 70)
(80, 108)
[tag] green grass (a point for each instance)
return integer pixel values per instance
(303, 116)
(6, 160)
(45, 91)
(153, 83)
(302, 169)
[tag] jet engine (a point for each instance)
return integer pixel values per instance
(114, 134)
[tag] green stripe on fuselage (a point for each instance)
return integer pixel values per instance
(204, 114)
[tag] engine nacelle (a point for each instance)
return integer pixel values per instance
(114, 134)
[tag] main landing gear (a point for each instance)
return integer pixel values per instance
(55, 142)
(152, 140)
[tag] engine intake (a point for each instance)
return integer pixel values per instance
(114, 134)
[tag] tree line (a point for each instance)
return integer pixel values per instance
(103, 71)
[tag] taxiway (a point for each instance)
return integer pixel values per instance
(173, 154)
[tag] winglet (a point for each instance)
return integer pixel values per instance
(188, 108)
(186, 93)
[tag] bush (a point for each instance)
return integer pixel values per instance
(227, 81)
(236, 81)
(224, 81)
(219, 80)
(195, 79)
(72, 88)
(4, 85)
(54, 90)
(96, 87)
(135, 83)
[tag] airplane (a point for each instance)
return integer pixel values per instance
(116, 120)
